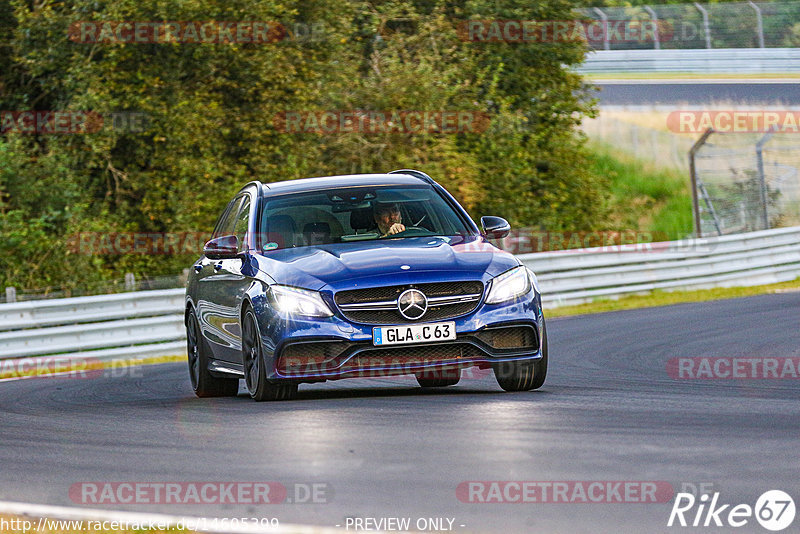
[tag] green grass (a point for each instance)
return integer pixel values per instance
(664, 298)
(658, 201)
(642, 196)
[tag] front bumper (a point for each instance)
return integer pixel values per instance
(310, 350)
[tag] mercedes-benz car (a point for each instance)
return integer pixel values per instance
(366, 275)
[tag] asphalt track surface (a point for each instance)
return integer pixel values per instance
(646, 94)
(608, 412)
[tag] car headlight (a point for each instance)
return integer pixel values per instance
(509, 285)
(298, 301)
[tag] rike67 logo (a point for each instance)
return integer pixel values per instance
(774, 510)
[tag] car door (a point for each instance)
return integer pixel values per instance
(231, 284)
(212, 287)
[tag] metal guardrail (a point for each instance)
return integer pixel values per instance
(150, 323)
(578, 276)
(700, 61)
(138, 324)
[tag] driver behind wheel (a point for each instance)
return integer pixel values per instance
(387, 217)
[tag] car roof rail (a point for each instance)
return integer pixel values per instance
(412, 172)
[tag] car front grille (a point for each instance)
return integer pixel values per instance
(307, 358)
(320, 353)
(509, 338)
(329, 356)
(378, 305)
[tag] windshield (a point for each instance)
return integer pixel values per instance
(356, 214)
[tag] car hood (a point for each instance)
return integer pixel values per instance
(372, 263)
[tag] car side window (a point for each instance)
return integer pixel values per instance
(227, 221)
(242, 222)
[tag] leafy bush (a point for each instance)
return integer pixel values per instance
(210, 110)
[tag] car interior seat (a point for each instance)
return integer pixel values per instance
(317, 233)
(362, 220)
(281, 230)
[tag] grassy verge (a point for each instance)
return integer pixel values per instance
(664, 298)
(642, 196)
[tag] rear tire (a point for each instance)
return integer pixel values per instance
(439, 378)
(203, 382)
(255, 375)
(524, 376)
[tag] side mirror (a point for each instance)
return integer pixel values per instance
(223, 247)
(495, 227)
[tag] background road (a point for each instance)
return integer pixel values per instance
(668, 93)
(609, 411)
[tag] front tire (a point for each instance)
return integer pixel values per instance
(204, 383)
(255, 375)
(524, 376)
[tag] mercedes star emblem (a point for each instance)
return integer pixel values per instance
(412, 304)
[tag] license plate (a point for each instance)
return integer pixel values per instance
(413, 333)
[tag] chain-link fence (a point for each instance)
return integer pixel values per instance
(674, 26)
(745, 182)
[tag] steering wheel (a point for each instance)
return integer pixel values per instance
(412, 229)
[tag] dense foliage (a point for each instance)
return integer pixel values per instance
(210, 112)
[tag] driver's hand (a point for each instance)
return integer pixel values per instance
(396, 229)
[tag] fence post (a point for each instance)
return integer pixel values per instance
(184, 277)
(759, 23)
(693, 174)
(654, 17)
(11, 294)
(706, 28)
(604, 18)
(130, 282)
(761, 178)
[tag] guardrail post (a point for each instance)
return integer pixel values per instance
(693, 174)
(654, 17)
(130, 282)
(11, 294)
(759, 23)
(706, 28)
(761, 178)
(604, 18)
(184, 277)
